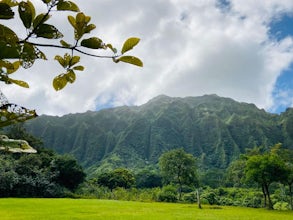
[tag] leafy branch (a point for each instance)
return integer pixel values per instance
(26, 51)
(16, 52)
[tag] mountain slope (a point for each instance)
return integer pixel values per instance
(214, 129)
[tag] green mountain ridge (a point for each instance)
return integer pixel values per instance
(213, 128)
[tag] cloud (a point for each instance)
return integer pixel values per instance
(189, 48)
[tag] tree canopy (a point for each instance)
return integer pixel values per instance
(265, 169)
(178, 167)
(119, 177)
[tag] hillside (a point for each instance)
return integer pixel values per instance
(214, 129)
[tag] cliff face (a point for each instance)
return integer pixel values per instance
(214, 129)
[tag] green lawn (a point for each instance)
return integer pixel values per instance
(55, 209)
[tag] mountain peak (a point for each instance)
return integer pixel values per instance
(161, 97)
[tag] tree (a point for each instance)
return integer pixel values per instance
(265, 169)
(178, 167)
(70, 173)
(8, 177)
(289, 182)
(148, 179)
(235, 173)
(44, 174)
(16, 52)
(287, 157)
(119, 177)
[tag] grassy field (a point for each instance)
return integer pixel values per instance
(38, 209)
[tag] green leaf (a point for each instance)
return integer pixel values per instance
(89, 28)
(7, 35)
(32, 8)
(93, 43)
(79, 68)
(26, 12)
(28, 55)
(67, 6)
(9, 47)
(40, 54)
(74, 60)
(59, 82)
(61, 61)
(70, 76)
(5, 11)
(14, 67)
(6, 64)
(10, 3)
(67, 59)
(48, 31)
(80, 25)
(46, 1)
(129, 44)
(132, 60)
(65, 44)
(9, 51)
(112, 48)
(40, 19)
(80, 19)
(19, 83)
(71, 20)
(87, 19)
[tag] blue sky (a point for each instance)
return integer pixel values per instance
(280, 29)
(242, 49)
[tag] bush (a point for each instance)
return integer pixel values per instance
(190, 197)
(211, 197)
(226, 201)
(148, 195)
(252, 200)
(168, 194)
(281, 206)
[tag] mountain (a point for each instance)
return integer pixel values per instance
(213, 128)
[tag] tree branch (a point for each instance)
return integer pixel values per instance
(69, 48)
(94, 55)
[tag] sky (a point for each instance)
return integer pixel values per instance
(242, 49)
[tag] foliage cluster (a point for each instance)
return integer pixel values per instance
(45, 174)
(26, 50)
(38, 175)
(266, 168)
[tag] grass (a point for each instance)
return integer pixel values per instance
(39, 209)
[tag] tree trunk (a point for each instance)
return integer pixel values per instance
(291, 196)
(180, 186)
(270, 204)
(180, 191)
(264, 195)
(198, 198)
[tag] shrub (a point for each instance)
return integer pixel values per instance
(211, 197)
(226, 201)
(252, 201)
(281, 206)
(168, 194)
(190, 197)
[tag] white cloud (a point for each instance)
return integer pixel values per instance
(189, 48)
